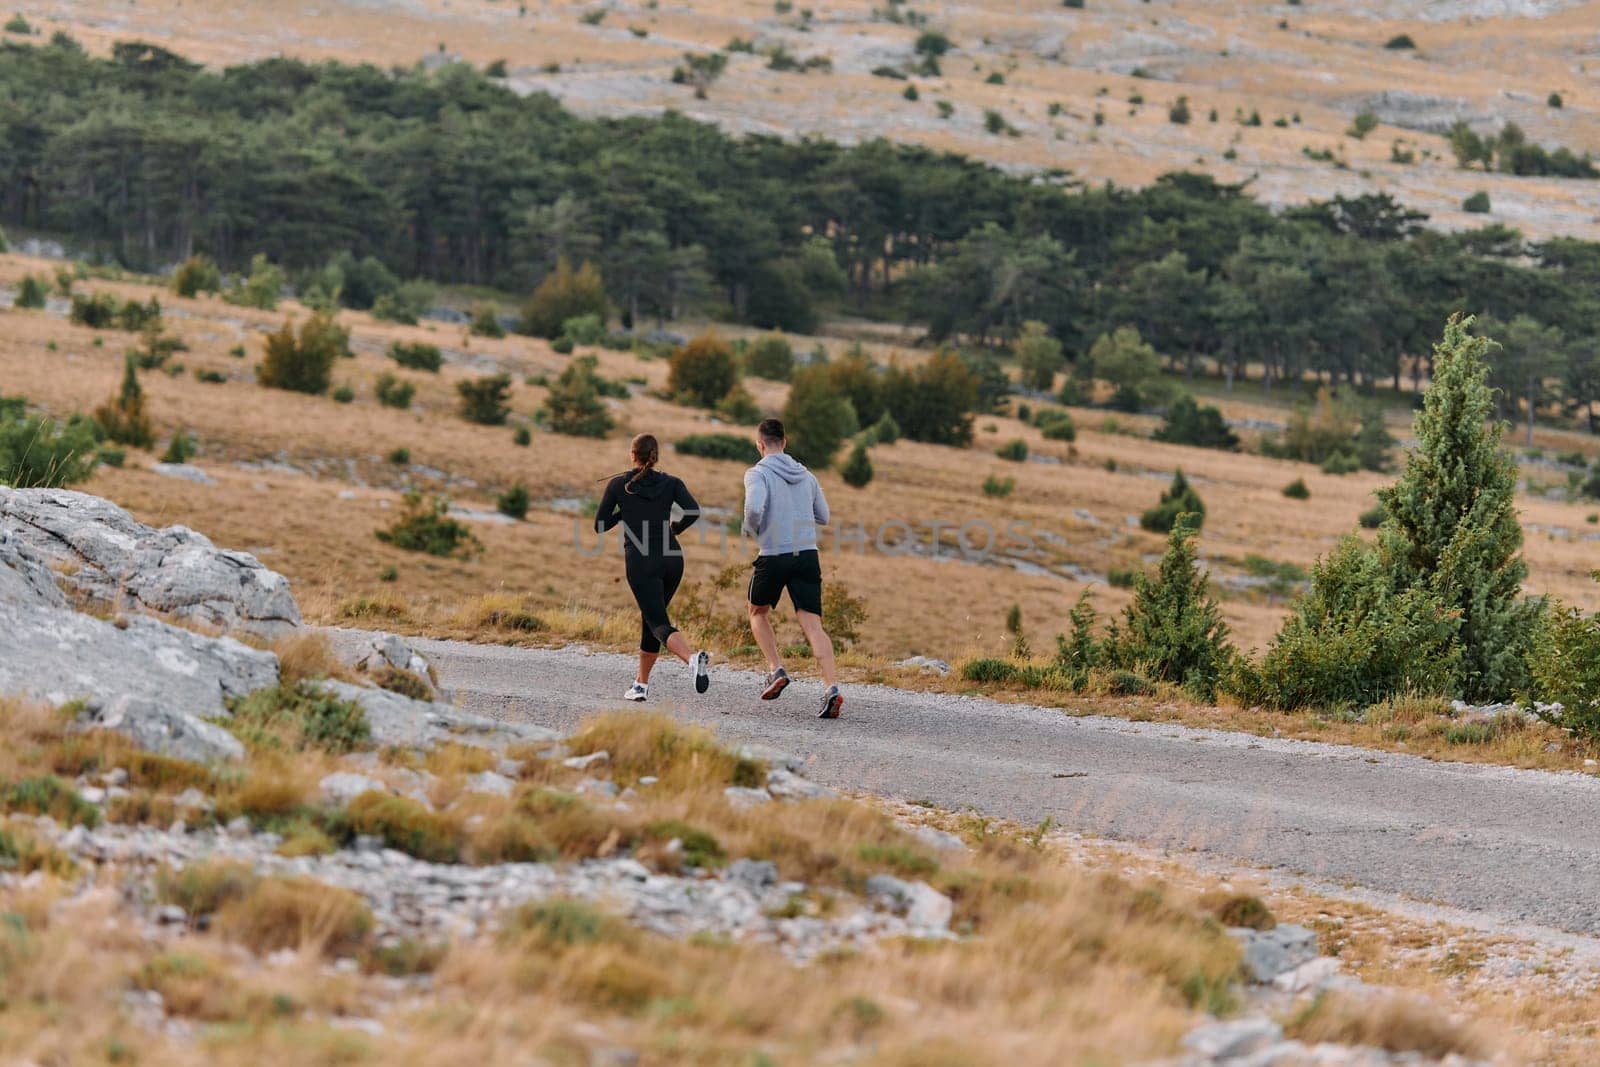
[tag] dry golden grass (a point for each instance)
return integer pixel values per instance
(306, 654)
(297, 914)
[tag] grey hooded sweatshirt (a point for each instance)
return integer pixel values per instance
(783, 505)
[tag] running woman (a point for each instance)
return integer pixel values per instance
(783, 506)
(641, 500)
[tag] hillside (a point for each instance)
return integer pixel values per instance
(1313, 65)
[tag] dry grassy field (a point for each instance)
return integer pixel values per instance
(1312, 65)
(306, 482)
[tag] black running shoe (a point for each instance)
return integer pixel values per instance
(832, 703)
(701, 665)
(777, 682)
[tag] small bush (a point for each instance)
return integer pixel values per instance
(123, 418)
(486, 322)
(522, 437)
(425, 526)
(1341, 463)
(301, 716)
(564, 294)
(417, 356)
(197, 274)
(18, 25)
(343, 394)
(1056, 425)
(1015, 451)
(202, 889)
(1477, 203)
(1178, 499)
(585, 329)
(738, 407)
(40, 453)
(303, 364)
(857, 470)
(1187, 423)
(770, 356)
(260, 289)
(407, 826)
(1297, 490)
(1400, 42)
(400, 456)
(392, 392)
(1242, 909)
(886, 431)
(513, 502)
(573, 405)
(31, 293)
(1565, 664)
(49, 795)
(703, 371)
(1000, 488)
(719, 446)
(285, 913)
(1179, 111)
(485, 400)
(180, 449)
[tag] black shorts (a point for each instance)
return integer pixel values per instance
(798, 572)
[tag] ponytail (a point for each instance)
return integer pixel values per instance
(646, 454)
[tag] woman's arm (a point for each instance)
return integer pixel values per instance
(610, 511)
(685, 500)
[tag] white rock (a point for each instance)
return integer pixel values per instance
(787, 785)
(584, 763)
(939, 839)
(1233, 1039)
(923, 906)
(927, 663)
(489, 782)
(745, 797)
(341, 787)
(1310, 975)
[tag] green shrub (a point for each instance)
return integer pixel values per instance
(37, 452)
(564, 294)
(195, 275)
(344, 394)
(513, 502)
(573, 405)
(1477, 203)
(1178, 113)
(300, 717)
(425, 526)
(739, 407)
(405, 825)
(703, 371)
(1188, 423)
(49, 795)
(989, 670)
(303, 364)
(1297, 490)
(392, 392)
(417, 356)
(933, 402)
(885, 431)
(400, 456)
(562, 346)
(1400, 41)
(1016, 451)
(1341, 463)
(1179, 499)
(1372, 518)
(486, 321)
(857, 470)
(261, 289)
(719, 446)
(585, 329)
(999, 488)
(817, 419)
(522, 437)
(485, 400)
(122, 418)
(406, 304)
(31, 293)
(1056, 425)
(180, 449)
(97, 311)
(770, 356)
(1565, 669)
(1039, 356)
(1353, 641)
(1173, 631)
(20, 26)
(1122, 577)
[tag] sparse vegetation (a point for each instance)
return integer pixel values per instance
(426, 526)
(485, 400)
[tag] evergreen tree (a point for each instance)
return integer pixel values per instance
(31, 293)
(1178, 499)
(857, 470)
(1173, 630)
(123, 417)
(1039, 356)
(1452, 525)
(574, 403)
(817, 418)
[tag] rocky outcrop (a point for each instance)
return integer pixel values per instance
(398, 721)
(102, 553)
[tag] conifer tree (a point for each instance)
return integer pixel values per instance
(1452, 525)
(123, 417)
(1173, 630)
(1178, 499)
(574, 405)
(857, 470)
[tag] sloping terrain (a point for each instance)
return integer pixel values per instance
(1045, 69)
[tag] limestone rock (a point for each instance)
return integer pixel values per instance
(341, 787)
(1269, 953)
(402, 722)
(923, 906)
(786, 785)
(108, 556)
(1233, 1039)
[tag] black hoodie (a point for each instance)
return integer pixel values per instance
(645, 510)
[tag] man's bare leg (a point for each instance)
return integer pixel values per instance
(821, 644)
(766, 640)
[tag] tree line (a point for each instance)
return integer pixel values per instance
(146, 158)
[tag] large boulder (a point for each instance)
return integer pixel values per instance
(101, 552)
(152, 682)
(25, 580)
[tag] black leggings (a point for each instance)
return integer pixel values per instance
(653, 580)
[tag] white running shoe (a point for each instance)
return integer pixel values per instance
(700, 667)
(637, 692)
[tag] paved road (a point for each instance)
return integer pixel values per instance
(1519, 845)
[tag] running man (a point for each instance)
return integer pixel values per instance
(783, 506)
(641, 500)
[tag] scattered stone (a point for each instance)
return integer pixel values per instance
(922, 905)
(938, 666)
(171, 915)
(772, 757)
(489, 782)
(599, 787)
(786, 785)
(756, 875)
(239, 826)
(1310, 975)
(1233, 1039)
(939, 839)
(511, 768)
(589, 762)
(342, 787)
(185, 471)
(746, 797)
(389, 650)
(1269, 953)
(92, 793)
(398, 721)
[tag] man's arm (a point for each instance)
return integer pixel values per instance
(755, 502)
(819, 503)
